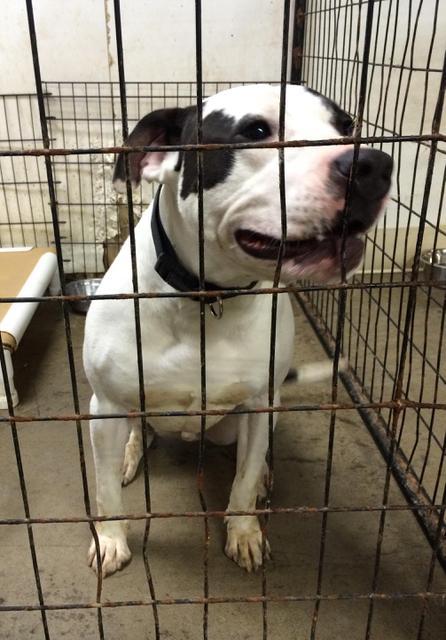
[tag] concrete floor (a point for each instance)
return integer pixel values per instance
(372, 340)
(51, 465)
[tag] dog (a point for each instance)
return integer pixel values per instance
(242, 232)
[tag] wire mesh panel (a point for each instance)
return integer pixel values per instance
(23, 184)
(383, 62)
(405, 60)
(393, 335)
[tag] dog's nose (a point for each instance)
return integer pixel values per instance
(373, 172)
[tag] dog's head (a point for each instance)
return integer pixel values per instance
(242, 212)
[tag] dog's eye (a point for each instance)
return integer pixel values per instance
(256, 130)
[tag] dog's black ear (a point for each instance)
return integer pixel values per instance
(162, 127)
(341, 120)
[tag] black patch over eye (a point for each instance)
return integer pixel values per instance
(344, 124)
(255, 130)
(217, 164)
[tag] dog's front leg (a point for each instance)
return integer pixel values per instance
(244, 536)
(108, 438)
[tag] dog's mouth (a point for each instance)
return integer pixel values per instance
(317, 256)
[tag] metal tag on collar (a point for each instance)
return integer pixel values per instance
(217, 313)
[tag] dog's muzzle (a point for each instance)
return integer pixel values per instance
(320, 257)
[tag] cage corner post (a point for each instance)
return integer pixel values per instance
(298, 38)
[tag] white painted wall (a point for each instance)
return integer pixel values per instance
(241, 40)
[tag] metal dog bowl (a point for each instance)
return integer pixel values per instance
(86, 287)
(434, 265)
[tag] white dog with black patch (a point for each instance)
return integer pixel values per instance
(242, 232)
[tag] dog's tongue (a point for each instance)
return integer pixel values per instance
(304, 252)
(267, 248)
(349, 253)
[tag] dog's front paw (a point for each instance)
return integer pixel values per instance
(245, 541)
(115, 553)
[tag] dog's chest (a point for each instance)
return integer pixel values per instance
(231, 356)
(173, 379)
(236, 357)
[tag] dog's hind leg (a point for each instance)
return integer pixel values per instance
(244, 537)
(108, 438)
(134, 451)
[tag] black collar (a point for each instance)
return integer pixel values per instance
(170, 268)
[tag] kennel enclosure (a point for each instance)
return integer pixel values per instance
(383, 62)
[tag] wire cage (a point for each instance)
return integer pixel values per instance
(57, 150)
